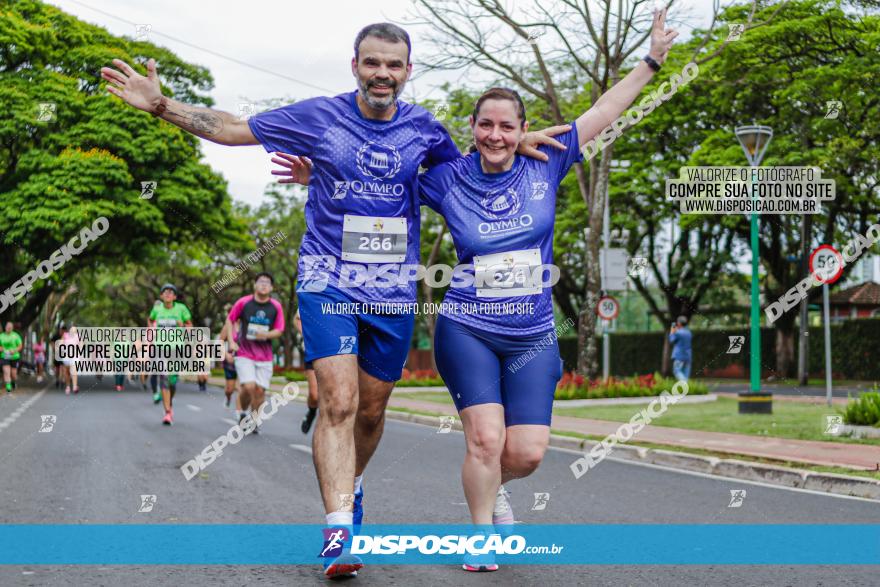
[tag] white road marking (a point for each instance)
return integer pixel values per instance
(194, 408)
(11, 418)
(302, 448)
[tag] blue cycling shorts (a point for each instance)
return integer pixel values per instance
(380, 341)
(481, 367)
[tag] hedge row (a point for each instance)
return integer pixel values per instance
(855, 351)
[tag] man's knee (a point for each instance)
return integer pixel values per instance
(371, 410)
(339, 410)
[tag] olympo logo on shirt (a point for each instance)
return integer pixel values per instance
(378, 160)
(502, 204)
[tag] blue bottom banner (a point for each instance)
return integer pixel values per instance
(279, 544)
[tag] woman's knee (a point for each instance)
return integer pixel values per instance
(486, 442)
(523, 459)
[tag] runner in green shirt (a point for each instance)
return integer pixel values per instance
(171, 314)
(11, 344)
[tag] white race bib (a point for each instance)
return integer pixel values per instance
(510, 274)
(373, 239)
(253, 329)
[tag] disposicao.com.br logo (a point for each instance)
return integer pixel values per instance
(449, 544)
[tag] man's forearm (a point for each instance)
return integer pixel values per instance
(207, 123)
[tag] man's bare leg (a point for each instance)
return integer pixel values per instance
(333, 443)
(245, 395)
(370, 423)
(258, 395)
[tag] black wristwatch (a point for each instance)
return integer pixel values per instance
(651, 63)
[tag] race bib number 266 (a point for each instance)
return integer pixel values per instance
(373, 239)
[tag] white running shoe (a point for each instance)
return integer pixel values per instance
(502, 516)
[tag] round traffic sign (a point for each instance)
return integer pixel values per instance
(608, 308)
(826, 264)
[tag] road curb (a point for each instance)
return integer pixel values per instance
(858, 431)
(631, 401)
(733, 468)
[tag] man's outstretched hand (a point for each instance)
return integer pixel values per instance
(141, 92)
(533, 140)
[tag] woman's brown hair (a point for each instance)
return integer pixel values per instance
(500, 94)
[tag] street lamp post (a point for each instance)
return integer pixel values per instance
(754, 140)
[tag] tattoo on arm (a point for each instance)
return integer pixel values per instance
(201, 121)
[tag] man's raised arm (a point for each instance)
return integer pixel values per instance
(144, 93)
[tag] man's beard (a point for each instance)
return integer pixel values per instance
(379, 103)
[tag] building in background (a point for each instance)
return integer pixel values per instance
(858, 301)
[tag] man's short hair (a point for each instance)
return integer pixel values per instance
(385, 31)
(682, 321)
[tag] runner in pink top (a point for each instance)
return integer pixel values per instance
(256, 319)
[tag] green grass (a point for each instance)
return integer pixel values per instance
(435, 382)
(438, 397)
(800, 421)
(292, 376)
(418, 412)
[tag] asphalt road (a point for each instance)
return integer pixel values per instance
(108, 448)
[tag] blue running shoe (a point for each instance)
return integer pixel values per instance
(357, 512)
(344, 565)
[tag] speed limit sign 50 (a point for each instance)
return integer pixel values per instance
(608, 308)
(826, 264)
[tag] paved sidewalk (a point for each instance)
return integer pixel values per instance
(812, 452)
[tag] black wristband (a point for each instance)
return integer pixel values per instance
(651, 63)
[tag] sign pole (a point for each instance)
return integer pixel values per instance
(827, 322)
(606, 351)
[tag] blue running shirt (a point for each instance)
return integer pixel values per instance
(362, 207)
(502, 227)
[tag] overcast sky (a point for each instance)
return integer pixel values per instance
(307, 41)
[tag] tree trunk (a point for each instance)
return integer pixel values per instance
(666, 364)
(588, 350)
(785, 339)
(803, 340)
(428, 293)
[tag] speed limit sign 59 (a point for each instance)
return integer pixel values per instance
(608, 308)
(826, 264)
